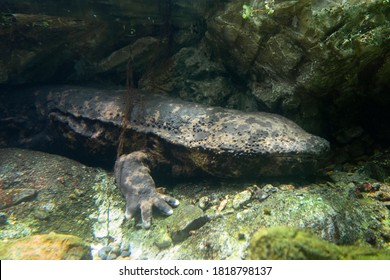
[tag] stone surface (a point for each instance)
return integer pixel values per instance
(188, 218)
(12, 197)
(65, 195)
(241, 199)
(284, 243)
(91, 40)
(3, 219)
(51, 246)
(68, 42)
(191, 75)
(311, 60)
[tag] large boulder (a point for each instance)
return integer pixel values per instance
(311, 60)
(41, 193)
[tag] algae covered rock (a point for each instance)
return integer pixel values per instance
(43, 192)
(295, 58)
(286, 243)
(187, 218)
(51, 246)
(241, 199)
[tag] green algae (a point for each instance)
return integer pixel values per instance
(286, 243)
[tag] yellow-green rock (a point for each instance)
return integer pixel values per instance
(285, 243)
(51, 246)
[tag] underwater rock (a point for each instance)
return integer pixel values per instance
(108, 214)
(191, 75)
(187, 218)
(64, 39)
(377, 166)
(264, 192)
(204, 202)
(138, 12)
(72, 198)
(82, 38)
(51, 246)
(138, 53)
(10, 197)
(296, 57)
(163, 240)
(67, 199)
(333, 213)
(114, 251)
(3, 219)
(286, 243)
(241, 199)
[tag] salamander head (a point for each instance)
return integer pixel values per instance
(264, 145)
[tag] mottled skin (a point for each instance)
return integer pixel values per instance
(132, 174)
(176, 138)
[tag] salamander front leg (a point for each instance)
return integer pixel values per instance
(132, 174)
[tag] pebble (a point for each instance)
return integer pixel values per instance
(113, 251)
(111, 256)
(3, 219)
(241, 199)
(265, 192)
(223, 204)
(163, 239)
(116, 249)
(204, 202)
(187, 218)
(125, 253)
(103, 252)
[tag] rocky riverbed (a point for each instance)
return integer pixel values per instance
(43, 193)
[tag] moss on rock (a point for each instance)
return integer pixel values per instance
(285, 243)
(51, 246)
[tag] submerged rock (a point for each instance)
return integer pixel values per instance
(3, 219)
(286, 243)
(191, 75)
(91, 40)
(295, 58)
(241, 199)
(49, 193)
(188, 218)
(15, 196)
(51, 246)
(114, 251)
